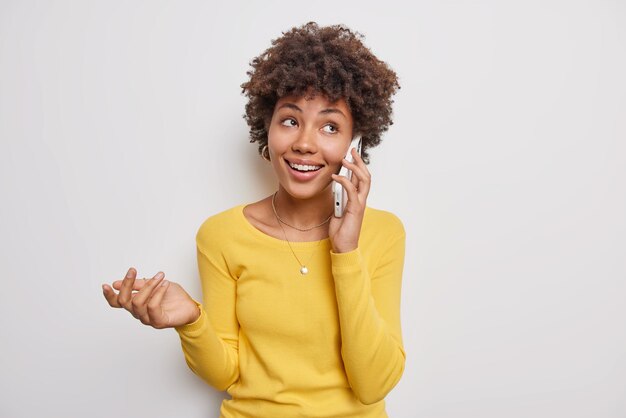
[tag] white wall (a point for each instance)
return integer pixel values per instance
(121, 130)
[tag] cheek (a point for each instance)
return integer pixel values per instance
(274, 141)
(336, 153)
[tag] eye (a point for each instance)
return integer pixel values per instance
(330, 129)
(289, 122)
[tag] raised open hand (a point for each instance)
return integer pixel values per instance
(155, 302)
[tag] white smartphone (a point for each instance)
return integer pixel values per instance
(340, 195)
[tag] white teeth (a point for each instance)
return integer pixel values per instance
(300, 167)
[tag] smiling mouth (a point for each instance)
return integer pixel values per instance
(304, 168)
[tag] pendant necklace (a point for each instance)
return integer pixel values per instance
(303, 268)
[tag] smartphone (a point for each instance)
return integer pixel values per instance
(340, 195)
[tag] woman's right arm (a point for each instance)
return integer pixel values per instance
(211, 343)
(209, 336)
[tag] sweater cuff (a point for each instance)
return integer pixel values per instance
(346, 262)
(195, 326)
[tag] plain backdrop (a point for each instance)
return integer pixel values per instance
(121, 130)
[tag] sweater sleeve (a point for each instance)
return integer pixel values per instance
(369, 318)
(210, 344)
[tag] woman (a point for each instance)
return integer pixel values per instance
(301, 309)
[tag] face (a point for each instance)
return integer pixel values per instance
(307, 139)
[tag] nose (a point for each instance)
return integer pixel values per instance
(306, 142)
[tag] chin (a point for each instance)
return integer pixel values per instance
(306, 191)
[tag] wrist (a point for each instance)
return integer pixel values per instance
(193, 325)
(196, 313)
(341, 248)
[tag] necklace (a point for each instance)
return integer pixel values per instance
(303, 268)
(295, 227)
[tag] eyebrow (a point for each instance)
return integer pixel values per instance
(326, 111)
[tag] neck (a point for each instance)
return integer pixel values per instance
(303, 213)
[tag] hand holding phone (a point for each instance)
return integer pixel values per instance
(339, 194)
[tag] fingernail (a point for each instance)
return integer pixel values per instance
(130, 272)
(164, 283)
(159, 275)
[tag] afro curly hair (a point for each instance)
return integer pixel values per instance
(331, 61)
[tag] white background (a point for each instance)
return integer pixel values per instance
(121, 130)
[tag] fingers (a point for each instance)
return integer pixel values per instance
(125, 295)
(345, 182)
(138, 284)
(361, 176)
(109, 290)
(145, 303)
(110, 296)
(140, 299)
(351, 191)
(358, 186)
(158, 318)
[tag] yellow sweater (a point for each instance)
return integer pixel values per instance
(327, 344)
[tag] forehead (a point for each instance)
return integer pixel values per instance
(316, 103)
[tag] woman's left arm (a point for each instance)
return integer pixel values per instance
(369, 319)
(368, 300)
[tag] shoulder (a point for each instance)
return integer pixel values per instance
(383, 221)
(382, 237)
(221, 224)
(381, 229)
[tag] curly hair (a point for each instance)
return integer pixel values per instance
(331, 61)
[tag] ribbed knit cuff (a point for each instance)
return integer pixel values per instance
(346, 262)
